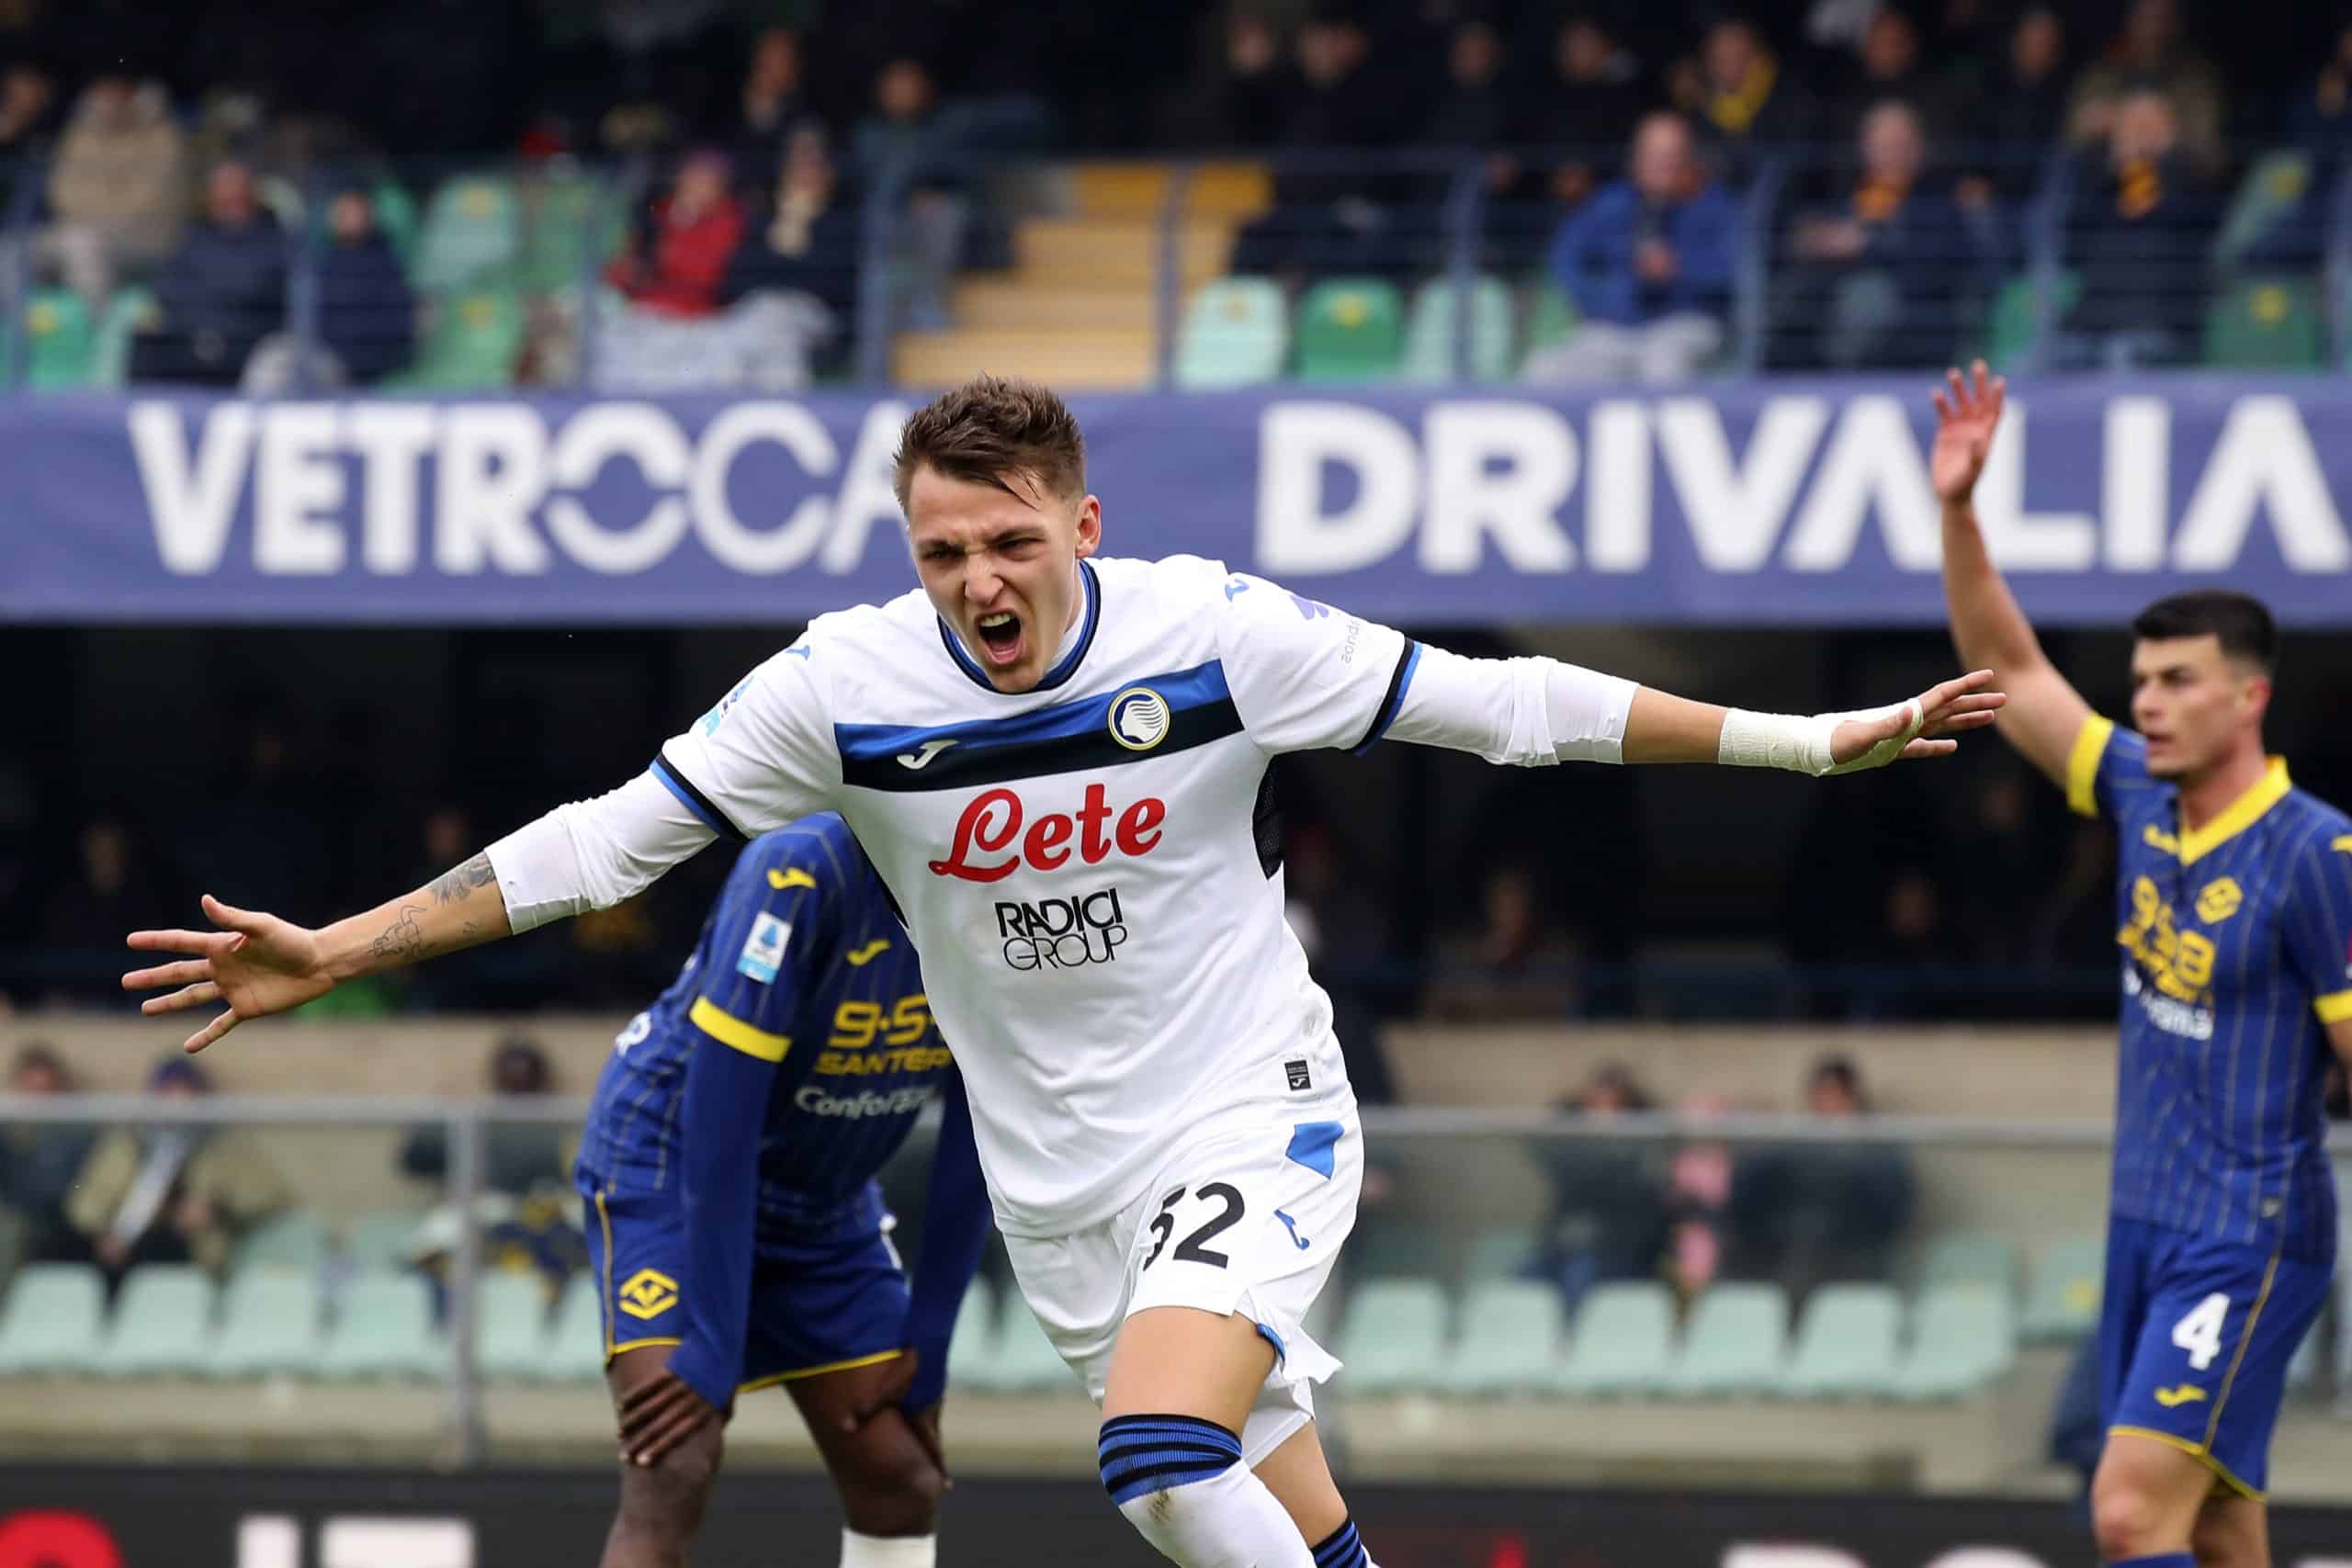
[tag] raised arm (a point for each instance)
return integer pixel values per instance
(2044, 713)
(587, 855)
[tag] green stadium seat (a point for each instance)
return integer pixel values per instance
(1384, 1250)
(2273, 187)
(973, 1344)
(53, 1320)
(2012, 333)
(572, 224)
(1552, 317)
(270, 1323)
(379, 1240)
(473, 342)
(60, 340)
(1428, 334)
(2266, 323)
(2062, 1292)
(511, 1326)
(1349, 329)
(1496, 1254)
(1971, 1256)
(163, 1324)
(1509, 1342)
(130, 310)
(296, 1239)
(1025, 1360)
(471, 236)
(1235, 334)
(1845, 1344)
(575, 1344)
(1623, 1342)
(1735, 1342)
(383, 1328)
(1394, 1340)
(1963, 1335)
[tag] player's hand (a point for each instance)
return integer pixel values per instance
(885, 1392)
(925, 1423)
(658, 1414)
(1920, 727)
(257, 964)
(1964, 422)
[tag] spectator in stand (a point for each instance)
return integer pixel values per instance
(29, 109)
(2139, 235)
(1473, 111)
(367, 311)
(904, 136)
(39, 1162)
(1887, 64)
(519, 1157)
(1699, 1195)
(1514, 966)
(772, 105)
(222, 291)
(1330, 214)
(1582, 114)
(677, 268)
(116, 186)
(1252, 94)
(1816, 1213)
(2320, 118)
(1609, 1212)
(85, 917)
(1738, 96)
(1883, 277)
(2149, 54)
(1648, 262)
(2022, 115)
(807, 241)
(172, 1193)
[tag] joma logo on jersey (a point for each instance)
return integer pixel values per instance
(992, 823)
(1062, 933)
(647, 1294)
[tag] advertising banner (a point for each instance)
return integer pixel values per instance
(1788, 502)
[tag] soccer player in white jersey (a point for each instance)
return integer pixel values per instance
(1054, 759)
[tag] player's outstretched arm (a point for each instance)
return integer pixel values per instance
(259, 965)
(2044, 713)
(588, 855)
(1663, 727)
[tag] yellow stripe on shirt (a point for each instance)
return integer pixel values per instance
(2082, 766)
(2334, 1008)
(728, 1030)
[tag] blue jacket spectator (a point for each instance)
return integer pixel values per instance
(221, 292)
(1648, 262)
(1594, 256)
(367, 311)
(2140, 237)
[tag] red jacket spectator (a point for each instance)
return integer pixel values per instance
(696, 230)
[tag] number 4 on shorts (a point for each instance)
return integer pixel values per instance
(2199, 1331)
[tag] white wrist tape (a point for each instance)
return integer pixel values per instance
(1802, 745)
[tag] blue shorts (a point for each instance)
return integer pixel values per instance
(2194, 1338)
(823, 1299)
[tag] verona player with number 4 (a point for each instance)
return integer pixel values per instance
(2235, 917)
(1056, 761)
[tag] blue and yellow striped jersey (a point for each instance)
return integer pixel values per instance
(2238, 950)
(801, 962)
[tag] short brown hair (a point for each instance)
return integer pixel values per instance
(990, 429)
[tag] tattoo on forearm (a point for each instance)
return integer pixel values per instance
(404, 940)
(457, 886)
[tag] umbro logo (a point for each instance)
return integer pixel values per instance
(922, 759)
(2172, 1398)
(647, 1293)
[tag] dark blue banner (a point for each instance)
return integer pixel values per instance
(1788, 502)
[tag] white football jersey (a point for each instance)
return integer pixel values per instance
(1081, 866)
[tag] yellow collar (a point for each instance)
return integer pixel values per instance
(2238, 816)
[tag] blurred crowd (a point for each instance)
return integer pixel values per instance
(266, 194)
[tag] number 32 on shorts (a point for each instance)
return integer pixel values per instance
(2198, 1332)
(1214, 1210)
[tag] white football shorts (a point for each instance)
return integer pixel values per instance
(1245, 1216)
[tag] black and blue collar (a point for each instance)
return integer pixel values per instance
(1064, 668)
